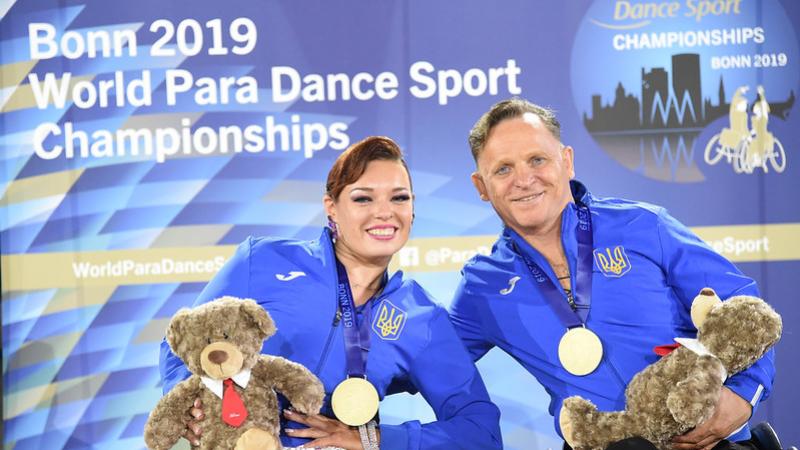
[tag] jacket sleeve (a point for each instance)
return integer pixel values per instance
(448, 380)
(234, 280)
(690, 265)
(466, 319)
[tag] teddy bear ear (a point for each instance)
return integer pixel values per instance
(702, 305)
(175, 328)
(260, 316)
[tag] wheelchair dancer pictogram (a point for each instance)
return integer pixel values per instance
(743, 147)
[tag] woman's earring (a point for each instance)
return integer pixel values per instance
(333, 227)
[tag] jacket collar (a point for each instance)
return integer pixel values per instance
(580, 194)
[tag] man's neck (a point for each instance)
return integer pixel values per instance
(546, 240)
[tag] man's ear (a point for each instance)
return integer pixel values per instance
(477, 181)
(569, 160)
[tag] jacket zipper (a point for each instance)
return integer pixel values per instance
(326, 350)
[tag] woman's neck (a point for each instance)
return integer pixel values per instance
(364, 275)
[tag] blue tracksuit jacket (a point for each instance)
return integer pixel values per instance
(647, 269)
(413, 344)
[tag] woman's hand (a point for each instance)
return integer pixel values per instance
(194, 416)
(325, 431)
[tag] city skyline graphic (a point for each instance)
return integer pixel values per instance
(655, 132)
(664, 105)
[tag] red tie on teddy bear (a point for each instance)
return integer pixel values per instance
(233, 411)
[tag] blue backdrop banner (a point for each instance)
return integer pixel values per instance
(140, 141)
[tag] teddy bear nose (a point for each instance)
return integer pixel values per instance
(218, 357)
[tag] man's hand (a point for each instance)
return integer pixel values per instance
(325, 431)
(730, 413)
(194, 416)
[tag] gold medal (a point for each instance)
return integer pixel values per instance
(355, 401)
(580, 351)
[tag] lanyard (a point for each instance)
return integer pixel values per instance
(356, 335)
(583, 278)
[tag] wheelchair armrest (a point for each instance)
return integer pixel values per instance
(764, 437)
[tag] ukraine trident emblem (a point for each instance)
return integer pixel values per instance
(612, 263)
(389, 321)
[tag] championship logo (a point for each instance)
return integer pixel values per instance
(389, 321)
(671, 88)
(613, 263)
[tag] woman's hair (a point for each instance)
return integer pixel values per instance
(352, 163)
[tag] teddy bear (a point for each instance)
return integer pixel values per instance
(220, 343)
(680, 390)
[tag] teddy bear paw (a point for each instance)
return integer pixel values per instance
(257, 439)
(578, 406)
(573, 411)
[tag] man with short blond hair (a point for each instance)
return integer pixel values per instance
(580, 289)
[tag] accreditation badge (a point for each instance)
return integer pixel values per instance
(355, 401)
(580, 351)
